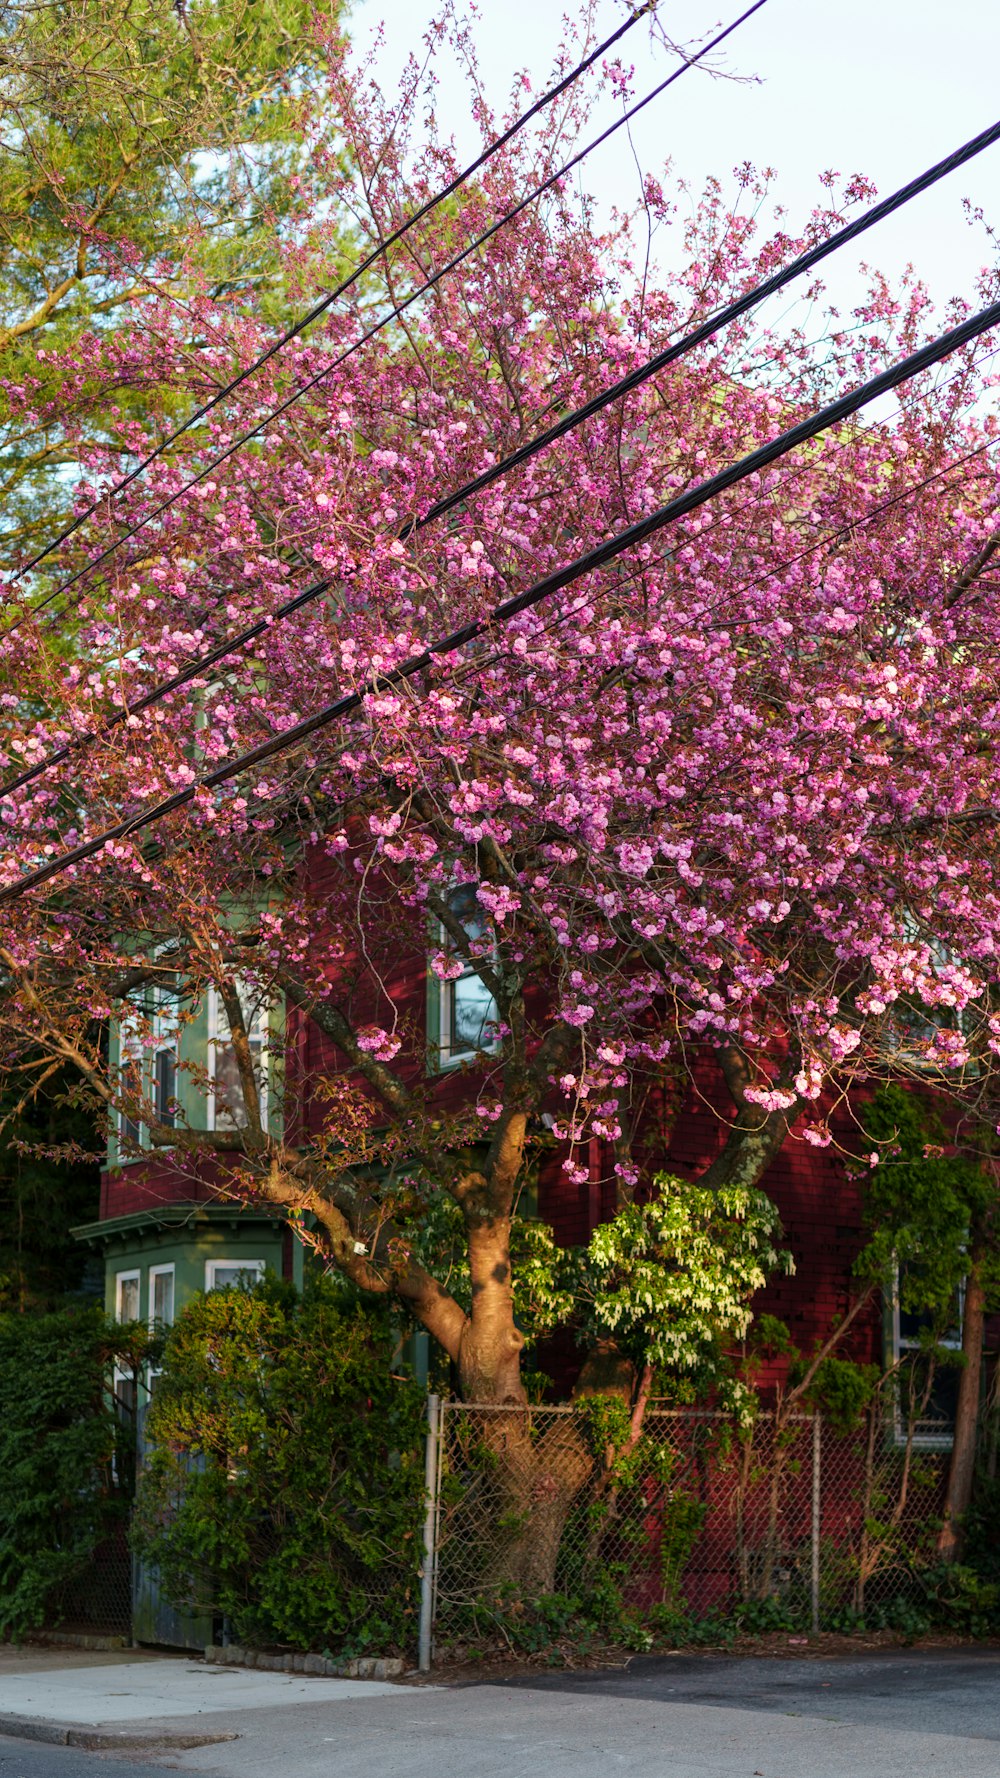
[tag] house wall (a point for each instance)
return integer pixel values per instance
(157, 1247)
(819, 1206)
(187, 1236)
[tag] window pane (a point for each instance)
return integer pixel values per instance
(165, 1085)
(129, 1134)
(223, 1275)
(166, 1015)
(163, 1297)
(463, 902)
(915, 1322)
(942, 1399)
(128, 1299)
(473, 1010)
(128, 1126)
(230, 1103)
(126, 1395)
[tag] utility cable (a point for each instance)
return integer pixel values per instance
(389, 316)
(828, 538)
(615, 392)
(348, 283)
(833, 414)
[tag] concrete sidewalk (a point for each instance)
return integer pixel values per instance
(598, 1727)
(135, 1699)
(897, 1714)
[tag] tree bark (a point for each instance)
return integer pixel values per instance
(756, 1136)
(489, 1359)
(961, 1469)
(752, 1144)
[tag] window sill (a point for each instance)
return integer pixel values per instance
(442, 1064)
(923, 1441)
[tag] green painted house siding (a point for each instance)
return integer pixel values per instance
(193, 1055)
(187, 1237)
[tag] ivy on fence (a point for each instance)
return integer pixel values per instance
(65, 1456)
(284, 1486)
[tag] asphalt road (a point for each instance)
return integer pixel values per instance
(935, 1691)
(901, 1714)
(27, 1759)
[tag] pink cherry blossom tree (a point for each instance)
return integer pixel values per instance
(733, 796)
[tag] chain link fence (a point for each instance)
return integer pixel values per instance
(97, 1600)
(698, 1518)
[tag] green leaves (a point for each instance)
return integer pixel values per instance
(671, 1280)
(59, 1492)
(285, 1486)
(922, 1205)
(148, 153)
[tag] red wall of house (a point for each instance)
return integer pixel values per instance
(819, 1205)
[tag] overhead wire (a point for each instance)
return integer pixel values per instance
(390, 315)
(827, 539)
(617, 391)
(305, 321)
(480, 664)
(833, 414)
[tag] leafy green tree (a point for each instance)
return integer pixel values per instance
(150, 154)
(285, 1487)
(61, 1490)
(150, 158)
(49, 1181)
(934, 1214)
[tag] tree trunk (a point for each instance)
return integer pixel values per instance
(489, 1359)
(542, 1482)
(534, 1480)
(963, 1452)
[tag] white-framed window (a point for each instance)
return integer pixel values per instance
(221, 1274)
(163, 1065)
(125, 1391)
(130, 1130)
(161, 1296)
(466, 1010)
(128, 1288)
(161, 1311)
(125, 1383)
(226, 1102)
(148, 1055)
(908, 1330)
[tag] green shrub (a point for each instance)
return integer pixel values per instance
(61, 1491)
(284, 1488)
(960, 1600)
(982, 1529)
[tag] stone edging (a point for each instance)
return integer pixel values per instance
(321, 1666)
(65, 1734)
(71, 1639)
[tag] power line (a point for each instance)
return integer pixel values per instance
(389, 316)
(348, 283)
(615, 392)
(479, 664)
(829, 416)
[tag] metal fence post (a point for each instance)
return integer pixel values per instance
(817, 1452)
(430, 1533)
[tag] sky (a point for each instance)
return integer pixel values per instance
(881, 87)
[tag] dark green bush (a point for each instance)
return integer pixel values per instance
(982, 1529)
(284, 1489)
(61, 1491)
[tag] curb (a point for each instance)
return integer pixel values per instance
(320, 1666)
(70, 1639)
(64, 1734)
